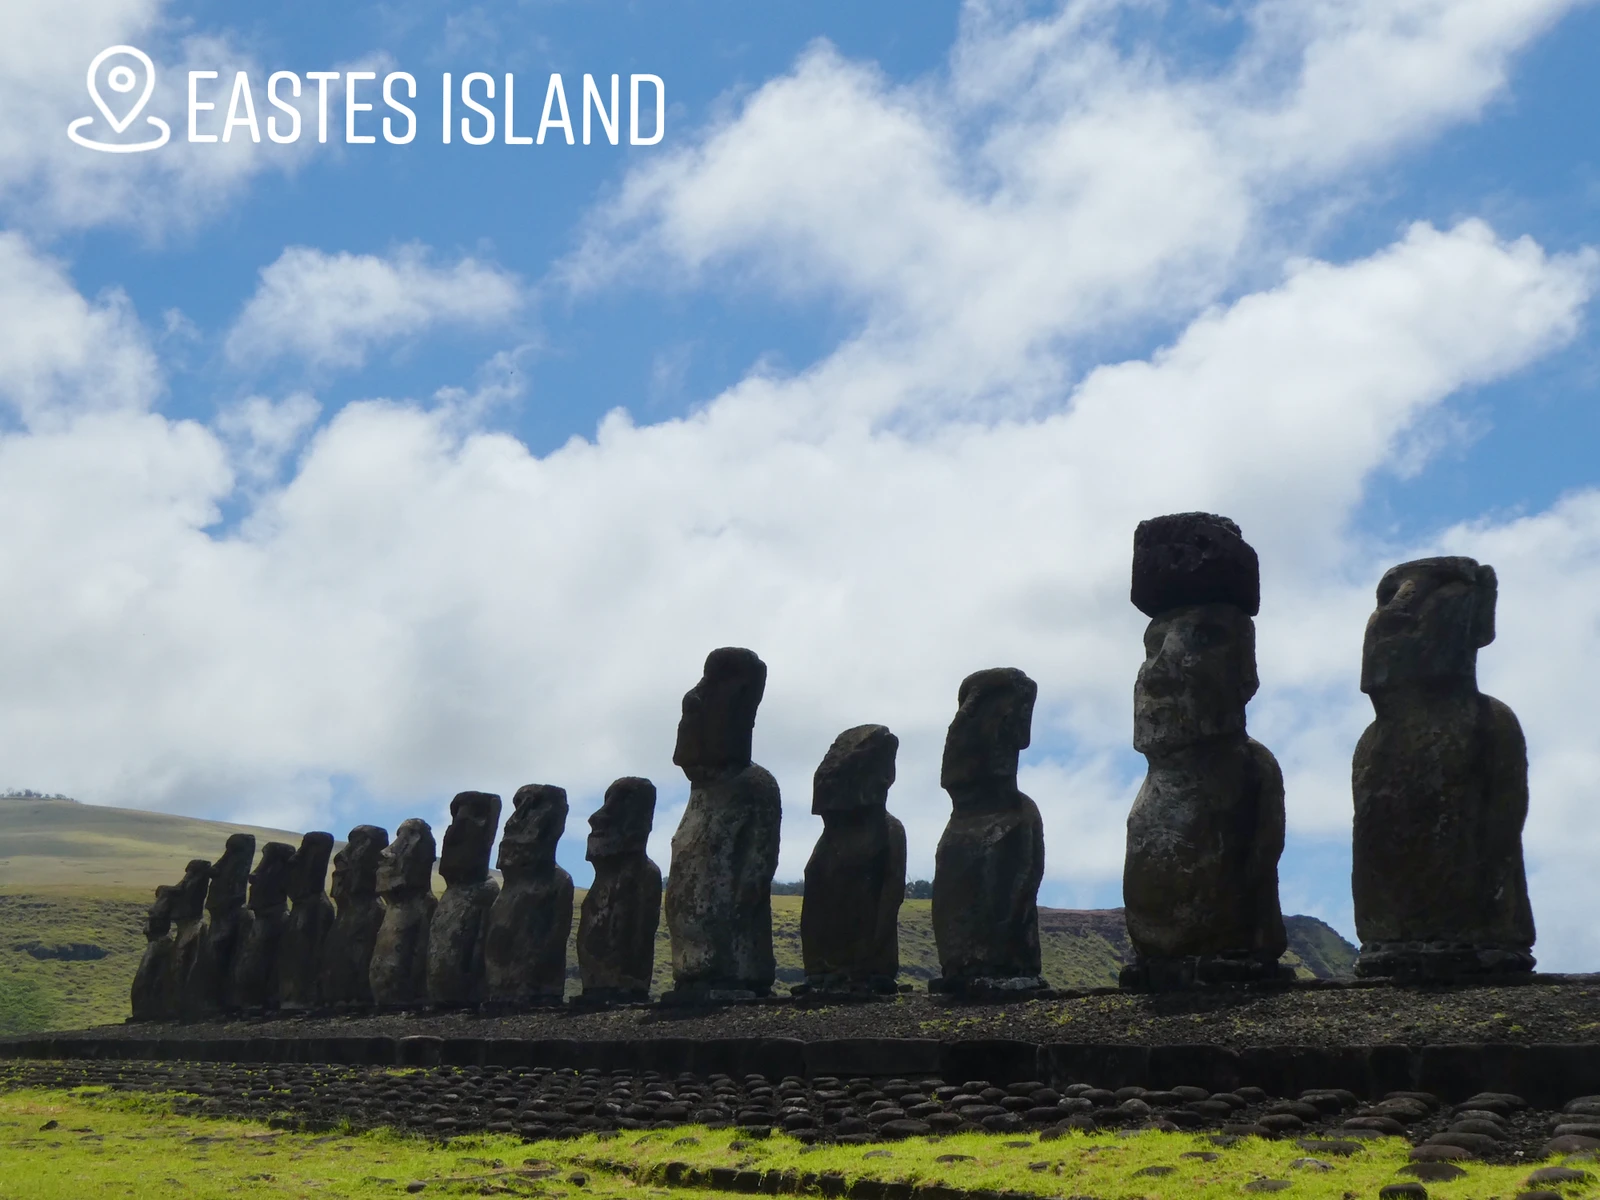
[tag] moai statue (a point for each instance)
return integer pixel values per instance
(1200, 880)
(310, 918)
(525, 944)
(856, 878)
(990, 859)
(399, 971)
(347, 952)
(211, 982)
(189, 918)
(455, 941)
(725, 850)
(255, 965)
(154, 998)
(617, 928)
(1441, 786)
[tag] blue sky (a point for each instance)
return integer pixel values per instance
(913, 312)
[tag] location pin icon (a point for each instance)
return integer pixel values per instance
(123, 80)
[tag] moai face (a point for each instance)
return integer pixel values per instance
(158, 918)
(622, 823)
(474, 818)
(992, 726)
(269, 882)
(189, 897)
(1199, 672)
(406, 865)
(719, 715)
(1432, 618)
(858, 770)
(308, 869)
(536, 823)
(230, 875)
(355, 868)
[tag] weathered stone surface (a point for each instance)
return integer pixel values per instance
(311, 916)
(622, 910)
(990, 858)
(1440, 780)
(347, 952)
(399, 970)
(725, 850)
(155, 995)
(255, 966)
(188, 918)
(211, 980)
(455, 941)
(525, 944)
(1200, 879)
(856, 876)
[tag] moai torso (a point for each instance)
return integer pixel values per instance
(456, 938)
(345, 977)
(622, 910)
(154, 997)
(211, 981)
(530, 921)
(311, 916)
(725, 849)
(398, 974)
(255, 966)
(856, 876)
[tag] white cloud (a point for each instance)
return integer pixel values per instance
(262, 430)
(333, 309)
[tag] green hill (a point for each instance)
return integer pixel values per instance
(75, 881)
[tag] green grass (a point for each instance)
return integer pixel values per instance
(119, 1145)
(56, 993)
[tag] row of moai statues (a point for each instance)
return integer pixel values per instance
(1440, 787)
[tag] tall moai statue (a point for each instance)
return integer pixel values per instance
(255, 965)
(617, 927)
(189, 921)
(530, 922)
(399, 971)
(455, 941)
(856, 877)
(990, 859)
(344, 978)
(1200, 880)
(1441, 786)
(725, 850)
(211, 982)
(154, 995)
(311, 916)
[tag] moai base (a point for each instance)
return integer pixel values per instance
(856, 876)
(345, 978)
(1200, 880)
(725, 850)
(455, 940)
(617, 927)
(990, 859)
(1441, 787)
(399, 971)
(255, 966)
(211, 981)
(311, 916)
(525, 942)
(154, 996)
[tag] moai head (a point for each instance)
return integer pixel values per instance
(992, 726)
(719, 715)
(230, 875)
(405, 866)
(538, 818)
(355, 868)
(189, 896)
(308, 869)
(474, 818)
(269, 882)
(1199, 581)
(857, 772)
(622, 823)
(1433, 617)
(158, 917)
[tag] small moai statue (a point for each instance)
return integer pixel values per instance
(211, 982)
(311, 916)
(255, 966)
(1200, 879)
(1441, 786)
(189, 921)
(725, 850)
(856, 877)
(153, 996)
(399, 971)
(530, 922)
(344, 978)
(455, 941)
(990, 858)
(622, 910)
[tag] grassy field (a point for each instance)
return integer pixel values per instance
(57, 1145)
